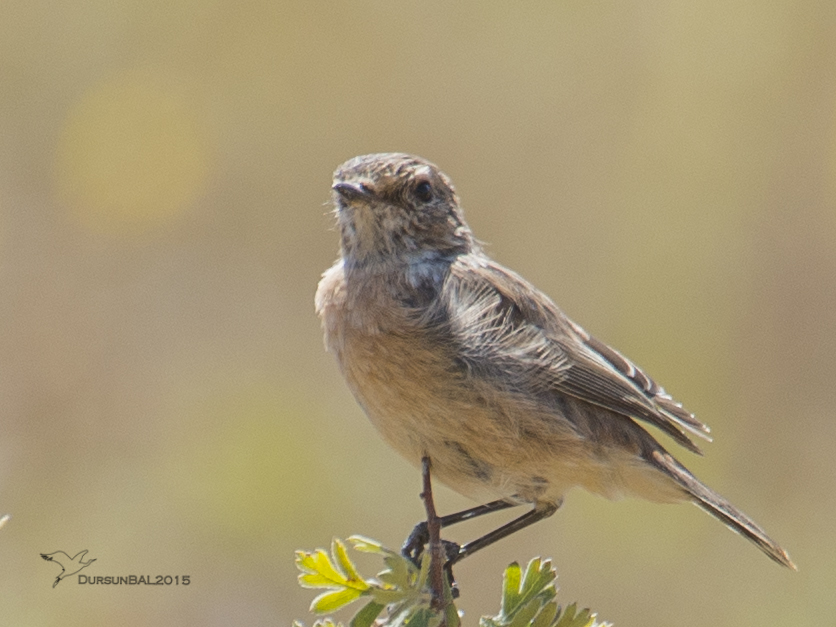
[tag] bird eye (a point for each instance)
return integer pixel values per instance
(424, 191)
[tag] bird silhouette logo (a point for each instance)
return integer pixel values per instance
(69, 565)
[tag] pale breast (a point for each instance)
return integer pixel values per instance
(406, 380)
(485, 442)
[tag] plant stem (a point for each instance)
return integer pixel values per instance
(435, 548)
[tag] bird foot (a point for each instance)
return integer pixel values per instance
(413, 550)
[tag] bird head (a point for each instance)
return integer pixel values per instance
(393, 205)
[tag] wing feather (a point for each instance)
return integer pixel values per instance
(507, 330)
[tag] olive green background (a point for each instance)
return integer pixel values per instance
(666, 171)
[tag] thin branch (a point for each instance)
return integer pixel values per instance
(436, 549)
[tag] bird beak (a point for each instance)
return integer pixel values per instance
(351, 191)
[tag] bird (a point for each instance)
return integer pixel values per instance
(69, 565)
(455, 358)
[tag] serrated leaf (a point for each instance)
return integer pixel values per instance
(400, 590)
(567, 616)
(546, 615)
(511, 589)
(452, 615)
(583, 618)
(318, 563)
(389, 596)
(528, 601)
(531, 573)
(423, 617)
(547, 595)
(316, 580)
(537, 580)
(525, 613)
(366, 616)
(398, 573)
(538, 576)
(367, 545)
(332, 601)
(398, 613)
(424, 572)
(573, 618)
(324, 566)
(347, 566)
(305, 562)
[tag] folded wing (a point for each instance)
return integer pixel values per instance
(506, 329)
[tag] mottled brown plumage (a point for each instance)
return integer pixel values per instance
(455, 357)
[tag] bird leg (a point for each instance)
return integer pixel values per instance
(413, 547)
(538, 513)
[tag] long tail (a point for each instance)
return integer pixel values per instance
(720, 508)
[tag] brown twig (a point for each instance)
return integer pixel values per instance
(435, 548)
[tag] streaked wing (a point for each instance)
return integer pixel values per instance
(507, 327)
(663, 402)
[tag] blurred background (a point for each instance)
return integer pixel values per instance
(665, 171)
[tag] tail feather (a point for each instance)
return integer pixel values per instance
(721, 509)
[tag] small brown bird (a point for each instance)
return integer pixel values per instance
(457, 358)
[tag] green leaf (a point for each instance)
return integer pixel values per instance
(366, 616)
(539, 578)
(424, 572)
(353, 578)
(583, 618)
(531, 573)
(400, 595)
(565, 616)
(334, 600)
(423, 617)
(315, 580)
(367, 545)
(572, 618)
(511, 589)
(546, 616)
(325, 567)
(525, 613)
(399, 573)
(452, 615)
(326, 622)
(319, 570)
(537, 582)
(389, 596)
(318, 563)
(305, 562)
